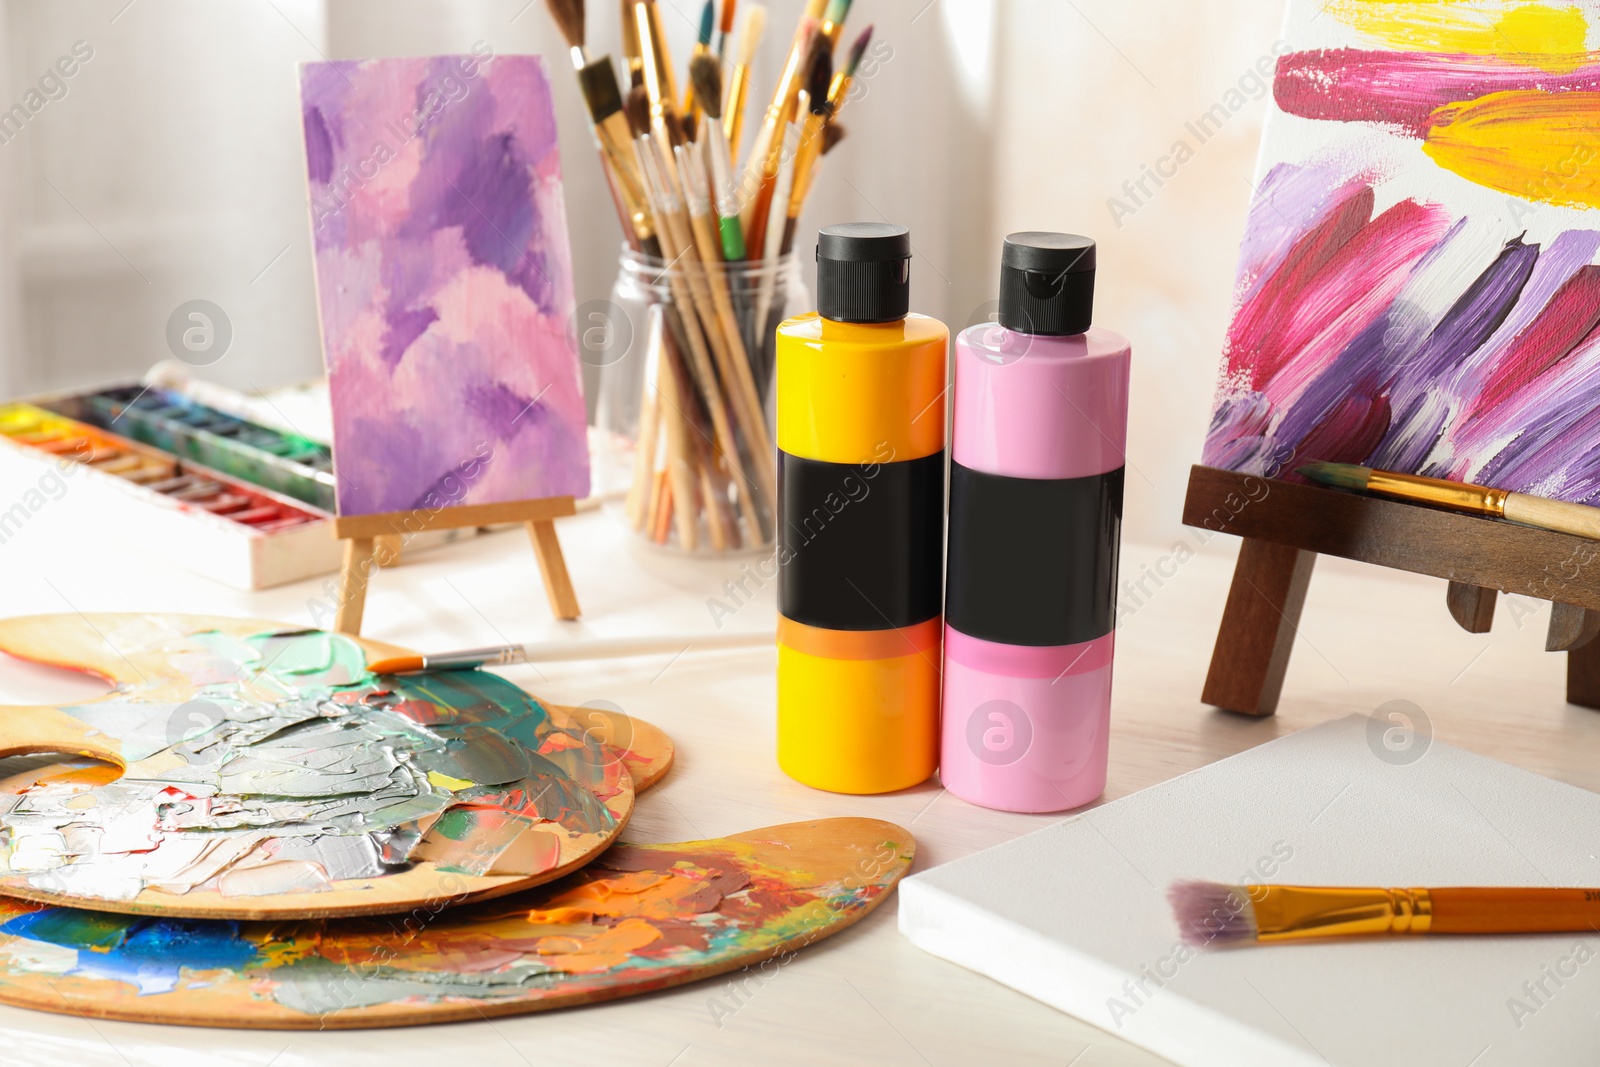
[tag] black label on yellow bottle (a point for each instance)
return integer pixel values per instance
(1033, 561)
(859, 547)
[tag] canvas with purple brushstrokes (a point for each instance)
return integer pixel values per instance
(444, 281)
(1417, 286)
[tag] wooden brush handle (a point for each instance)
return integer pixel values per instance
(1577, 519)
(1472, 910)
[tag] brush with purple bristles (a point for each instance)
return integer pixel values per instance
(1211, 913)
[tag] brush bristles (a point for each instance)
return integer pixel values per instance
(821, 78)
(1210, 913)
(832, 134)
(705, 74)
(856, 52)
(1339, 475)
(601, 90)
(569, 20)
(637, 107)
(837, 10)
(755, 24)
(728, 7)
(708, 19)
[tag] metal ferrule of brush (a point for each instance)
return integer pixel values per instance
(472, 657)
(1288, 913)
(1477, 498)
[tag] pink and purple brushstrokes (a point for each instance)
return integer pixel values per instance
(1374, 336)
(444, 280)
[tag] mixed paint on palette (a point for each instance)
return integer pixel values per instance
(444, 280)
(641, 917)
(260, 764)
(1418, 287)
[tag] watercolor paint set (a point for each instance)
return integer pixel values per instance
(166, 504)
(286, 463)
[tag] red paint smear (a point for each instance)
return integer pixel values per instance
(1250, 338)
(1401, 90)
(1348, 434)
(1566, 321)
(1348, 262)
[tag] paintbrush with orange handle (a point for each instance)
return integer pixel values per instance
(1209, 913)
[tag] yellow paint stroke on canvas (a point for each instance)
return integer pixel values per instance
(1553, 36)
(1538, 146)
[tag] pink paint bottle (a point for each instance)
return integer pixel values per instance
(1041, 417)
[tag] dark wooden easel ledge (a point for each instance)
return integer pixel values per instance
(1286, 525)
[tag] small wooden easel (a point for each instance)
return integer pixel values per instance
(362, 532)
(1285, 527)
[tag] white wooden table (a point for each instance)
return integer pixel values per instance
(866, 996)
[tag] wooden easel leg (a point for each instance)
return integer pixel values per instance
(387, 550)
(353, 578)
(553, 568)
(1471, 606)
(1583, 675)
(1258, 627)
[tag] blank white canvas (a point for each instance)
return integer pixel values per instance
(1076, 915)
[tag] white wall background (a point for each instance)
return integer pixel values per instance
(171, 170)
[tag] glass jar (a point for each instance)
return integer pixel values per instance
(685, 410)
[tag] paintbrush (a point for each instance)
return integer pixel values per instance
(1209, 913)
(706, 74)
(724, 28)
(702, 48)
(561, 651)
(658, 80)
(755, 24)
(630, 45)
(569, 17)
(833, 20)
(832, 134)
(1579, 520)
(733, 362)
(649, 435)
(819, 112)
(844, 79)
(603, 96)
(761, 173)
(678, 244)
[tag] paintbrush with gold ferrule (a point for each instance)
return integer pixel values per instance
(558, 651)
(658, 79)
(766, 153)
(755, 24)
(1210, 913)
(702, 49)
(839, 90)
(819, 113)
(1579, 520)
(725, 28)
(833, 20)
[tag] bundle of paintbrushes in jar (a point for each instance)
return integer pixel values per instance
(706, 272)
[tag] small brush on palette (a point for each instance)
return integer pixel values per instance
(218, 524)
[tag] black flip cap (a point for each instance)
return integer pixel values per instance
(864, 272)
(1047, 283)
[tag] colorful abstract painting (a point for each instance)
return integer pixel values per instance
(1418, 287)
(640, 918)
(444, 281)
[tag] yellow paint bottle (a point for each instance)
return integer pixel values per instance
(861, 387)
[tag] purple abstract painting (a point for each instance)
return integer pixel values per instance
(444, 280)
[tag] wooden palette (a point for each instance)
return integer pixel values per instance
(152, 661)
(639, 918)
